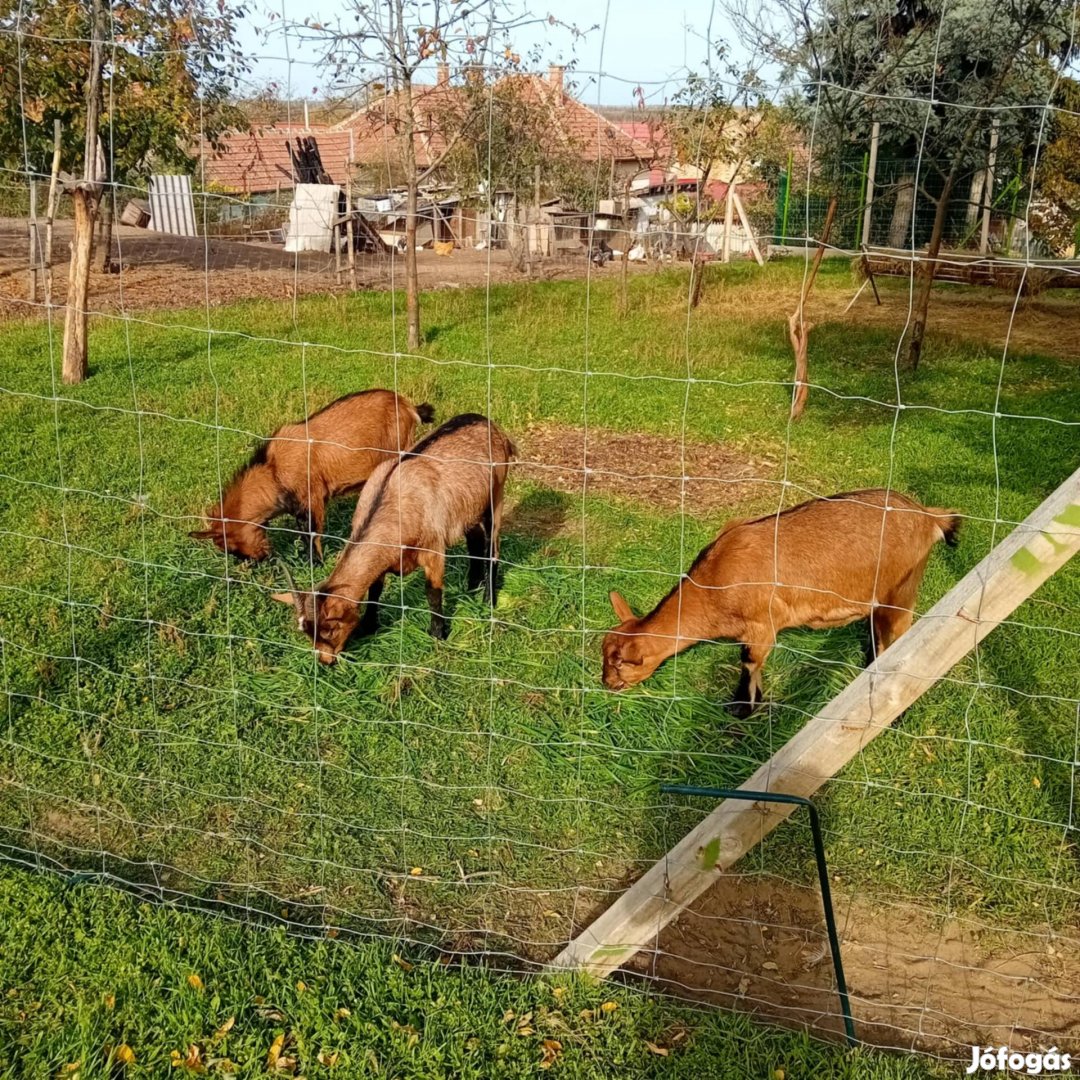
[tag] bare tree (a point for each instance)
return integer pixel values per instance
(380, 54)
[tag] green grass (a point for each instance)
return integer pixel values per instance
(194, 743)
(84, 969)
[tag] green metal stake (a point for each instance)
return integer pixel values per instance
(787, 197)
(823, 873)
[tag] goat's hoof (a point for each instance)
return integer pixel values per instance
(742, 710)
(440, 630)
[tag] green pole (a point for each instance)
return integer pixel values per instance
(787, 197)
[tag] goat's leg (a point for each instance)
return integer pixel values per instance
(434, 567)
(476, 540)
(749, 691)
(370, 621)
(887, 623)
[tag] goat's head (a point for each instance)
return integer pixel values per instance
(630, 654)
(325, 617)
(244, 539)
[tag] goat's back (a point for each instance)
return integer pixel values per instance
(856, 545)
(439, 488)
(349, 439)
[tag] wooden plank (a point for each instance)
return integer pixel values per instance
(745, 221)
(955, 625)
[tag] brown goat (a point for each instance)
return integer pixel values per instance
(448, 486)
(824, 563)
(304, 465)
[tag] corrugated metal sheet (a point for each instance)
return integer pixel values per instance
(172, 208)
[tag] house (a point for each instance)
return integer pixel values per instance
(367, 144)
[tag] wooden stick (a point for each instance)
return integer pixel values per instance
(745, 222)
(870, 273)
(955, 625)
(830, 214)
(33, 237)
(50, 211)
(729, 207)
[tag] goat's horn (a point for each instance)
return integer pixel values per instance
(298, 601)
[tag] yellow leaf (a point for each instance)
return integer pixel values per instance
(71, 1066)
(552, 1048)
(587, 1014)
(660, 1051)
(1036, 781)
(508, 1016)
(340, 1014)
(225, 1028)
(558, 992)
(403, 964)
(301, 986)
(274, 1052)
(416, 871)
(609, 1006)
(110, 1001)
(328, 1059)
(195, 982)
(778, 1074)
(123, 1054)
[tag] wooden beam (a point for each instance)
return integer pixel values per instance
(955, 625)
(745, 222)
(871, 175)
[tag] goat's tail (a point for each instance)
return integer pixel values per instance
(948, 521)
(426, 413)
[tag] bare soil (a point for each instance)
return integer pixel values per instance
(936, 985)
(655, 470)
(164, 271)
(1048, 323)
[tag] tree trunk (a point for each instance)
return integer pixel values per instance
(975, 200)
(928, 270)
(412, 281)
(107, 228)
(85, 197)
(76, 365)
(900, 226)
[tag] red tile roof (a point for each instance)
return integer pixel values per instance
(258, 161)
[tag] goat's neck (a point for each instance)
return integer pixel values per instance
(254, 496)
(687, 615)
(359, 567)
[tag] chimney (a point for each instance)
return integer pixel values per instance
(555, 77)
(442, 74)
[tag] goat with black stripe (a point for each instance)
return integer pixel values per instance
(448, 486)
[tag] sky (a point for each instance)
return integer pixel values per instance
(646, 43)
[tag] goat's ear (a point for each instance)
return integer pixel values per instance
(283, 598)
(622, 608)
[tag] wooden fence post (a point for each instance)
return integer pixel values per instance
(871, 172)
(50, 211)
(988, 187)
(955, 625)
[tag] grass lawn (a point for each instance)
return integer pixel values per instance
(166, 725)
(85, 972)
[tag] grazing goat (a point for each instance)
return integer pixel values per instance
(824, 563)
(448, 486)
(304, 465)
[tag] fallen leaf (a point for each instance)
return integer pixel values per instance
(416, 871)
(558, 992)
(342, 1013)
(403, 964)
(191, 1062)
(609, 1006)
(225, 1028)
(328, 1058)
(660, 1051)
(195, 982)
(123, 1054)
(70, 1067)
(551, 1048)
(744, 985)
(301, 986)
(587, 1014)
(778, 1074)
(274, 1052)
(1036, 782)
(110, 1001)
(508, 1016)
(770, 966)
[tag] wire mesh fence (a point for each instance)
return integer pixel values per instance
(170, 729)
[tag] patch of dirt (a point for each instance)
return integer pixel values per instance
(162, 271)
(916, 982)
(648, 469)
(1045, 324)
